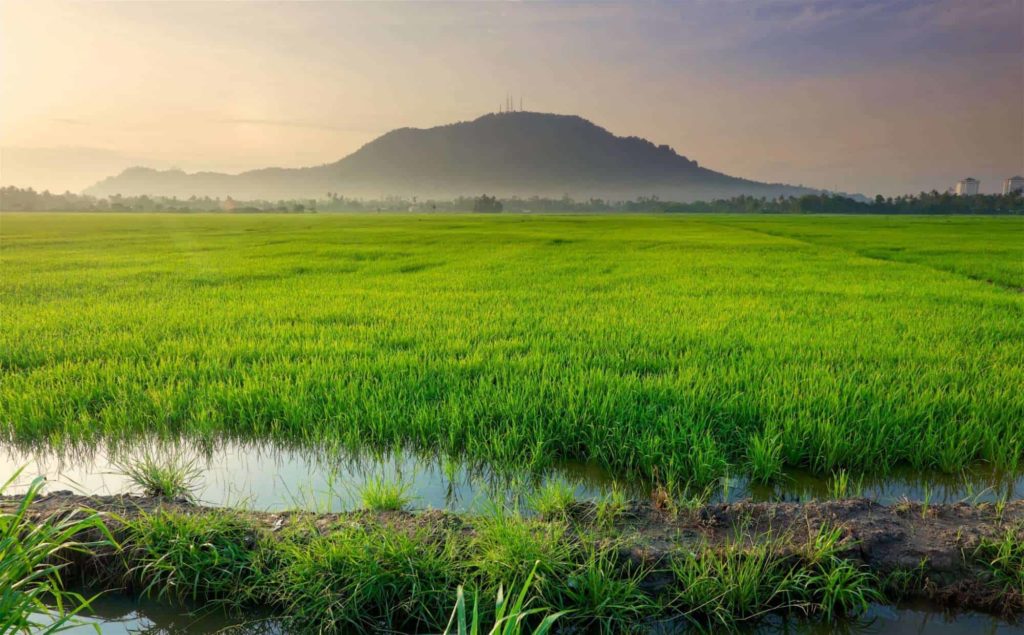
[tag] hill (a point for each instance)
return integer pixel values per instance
(507, 154)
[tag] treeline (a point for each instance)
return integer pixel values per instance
(14, 199)
(924, 203)
(27, 199)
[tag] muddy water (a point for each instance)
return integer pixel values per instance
(121, 615)
(265, 477)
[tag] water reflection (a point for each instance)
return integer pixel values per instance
(123, 615)
(273, 477)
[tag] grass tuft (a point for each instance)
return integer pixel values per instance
(507, 547)
(382, 495)
(197, 558)
(1004, 558)
(603, 595)
(739, 583)
(610, 508)
(172, 477)
(764, 458)
(553, 500)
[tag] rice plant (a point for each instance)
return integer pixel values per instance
(172, 477)
(740, 583)
(610, 508)
(553, 500)
(676, 347)
(382, 495)
(1003, 556)
(764, 458)
(511, 615)
(33, 554)
(210, 558)
(603, 595)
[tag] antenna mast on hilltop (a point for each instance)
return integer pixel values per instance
(510, 104)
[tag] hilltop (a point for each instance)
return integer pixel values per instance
(507, 154)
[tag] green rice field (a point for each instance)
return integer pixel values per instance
(676, 348)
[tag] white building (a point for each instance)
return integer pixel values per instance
(967, 187)
(1013, 184)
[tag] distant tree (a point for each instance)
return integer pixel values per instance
(487, 205)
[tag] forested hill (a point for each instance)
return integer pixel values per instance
(510, 154)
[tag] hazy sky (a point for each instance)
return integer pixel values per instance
(890, 96)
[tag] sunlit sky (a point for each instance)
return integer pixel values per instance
(892, 96)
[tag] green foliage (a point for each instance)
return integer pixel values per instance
(365, 579)
(1004, 557)
(506, 548)
(843, 485)
(740, 583)
(610, 508)
(173, 476)
(201, 558)
(381, 495)
(655, 346)
(509, 619)
(764, 458)
(33, 553)
(403, 577)
(553, 500)
(604, 596)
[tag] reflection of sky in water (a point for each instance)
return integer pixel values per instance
(266, 477)
(121, 615)
(273, 478)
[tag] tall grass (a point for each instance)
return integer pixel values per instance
(33, 553)
(405, 577)
(510, 615)
(192, 558)
(364, 579)
(739, 583)
(1004, 558)
(686, 347)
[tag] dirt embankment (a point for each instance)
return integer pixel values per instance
(935, 547)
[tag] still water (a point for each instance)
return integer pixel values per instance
(267, 477)
(119, 615)
(274, 478)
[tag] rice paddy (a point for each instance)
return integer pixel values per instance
(539, 377)
(677, 349)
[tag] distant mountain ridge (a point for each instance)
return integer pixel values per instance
(507, 154)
